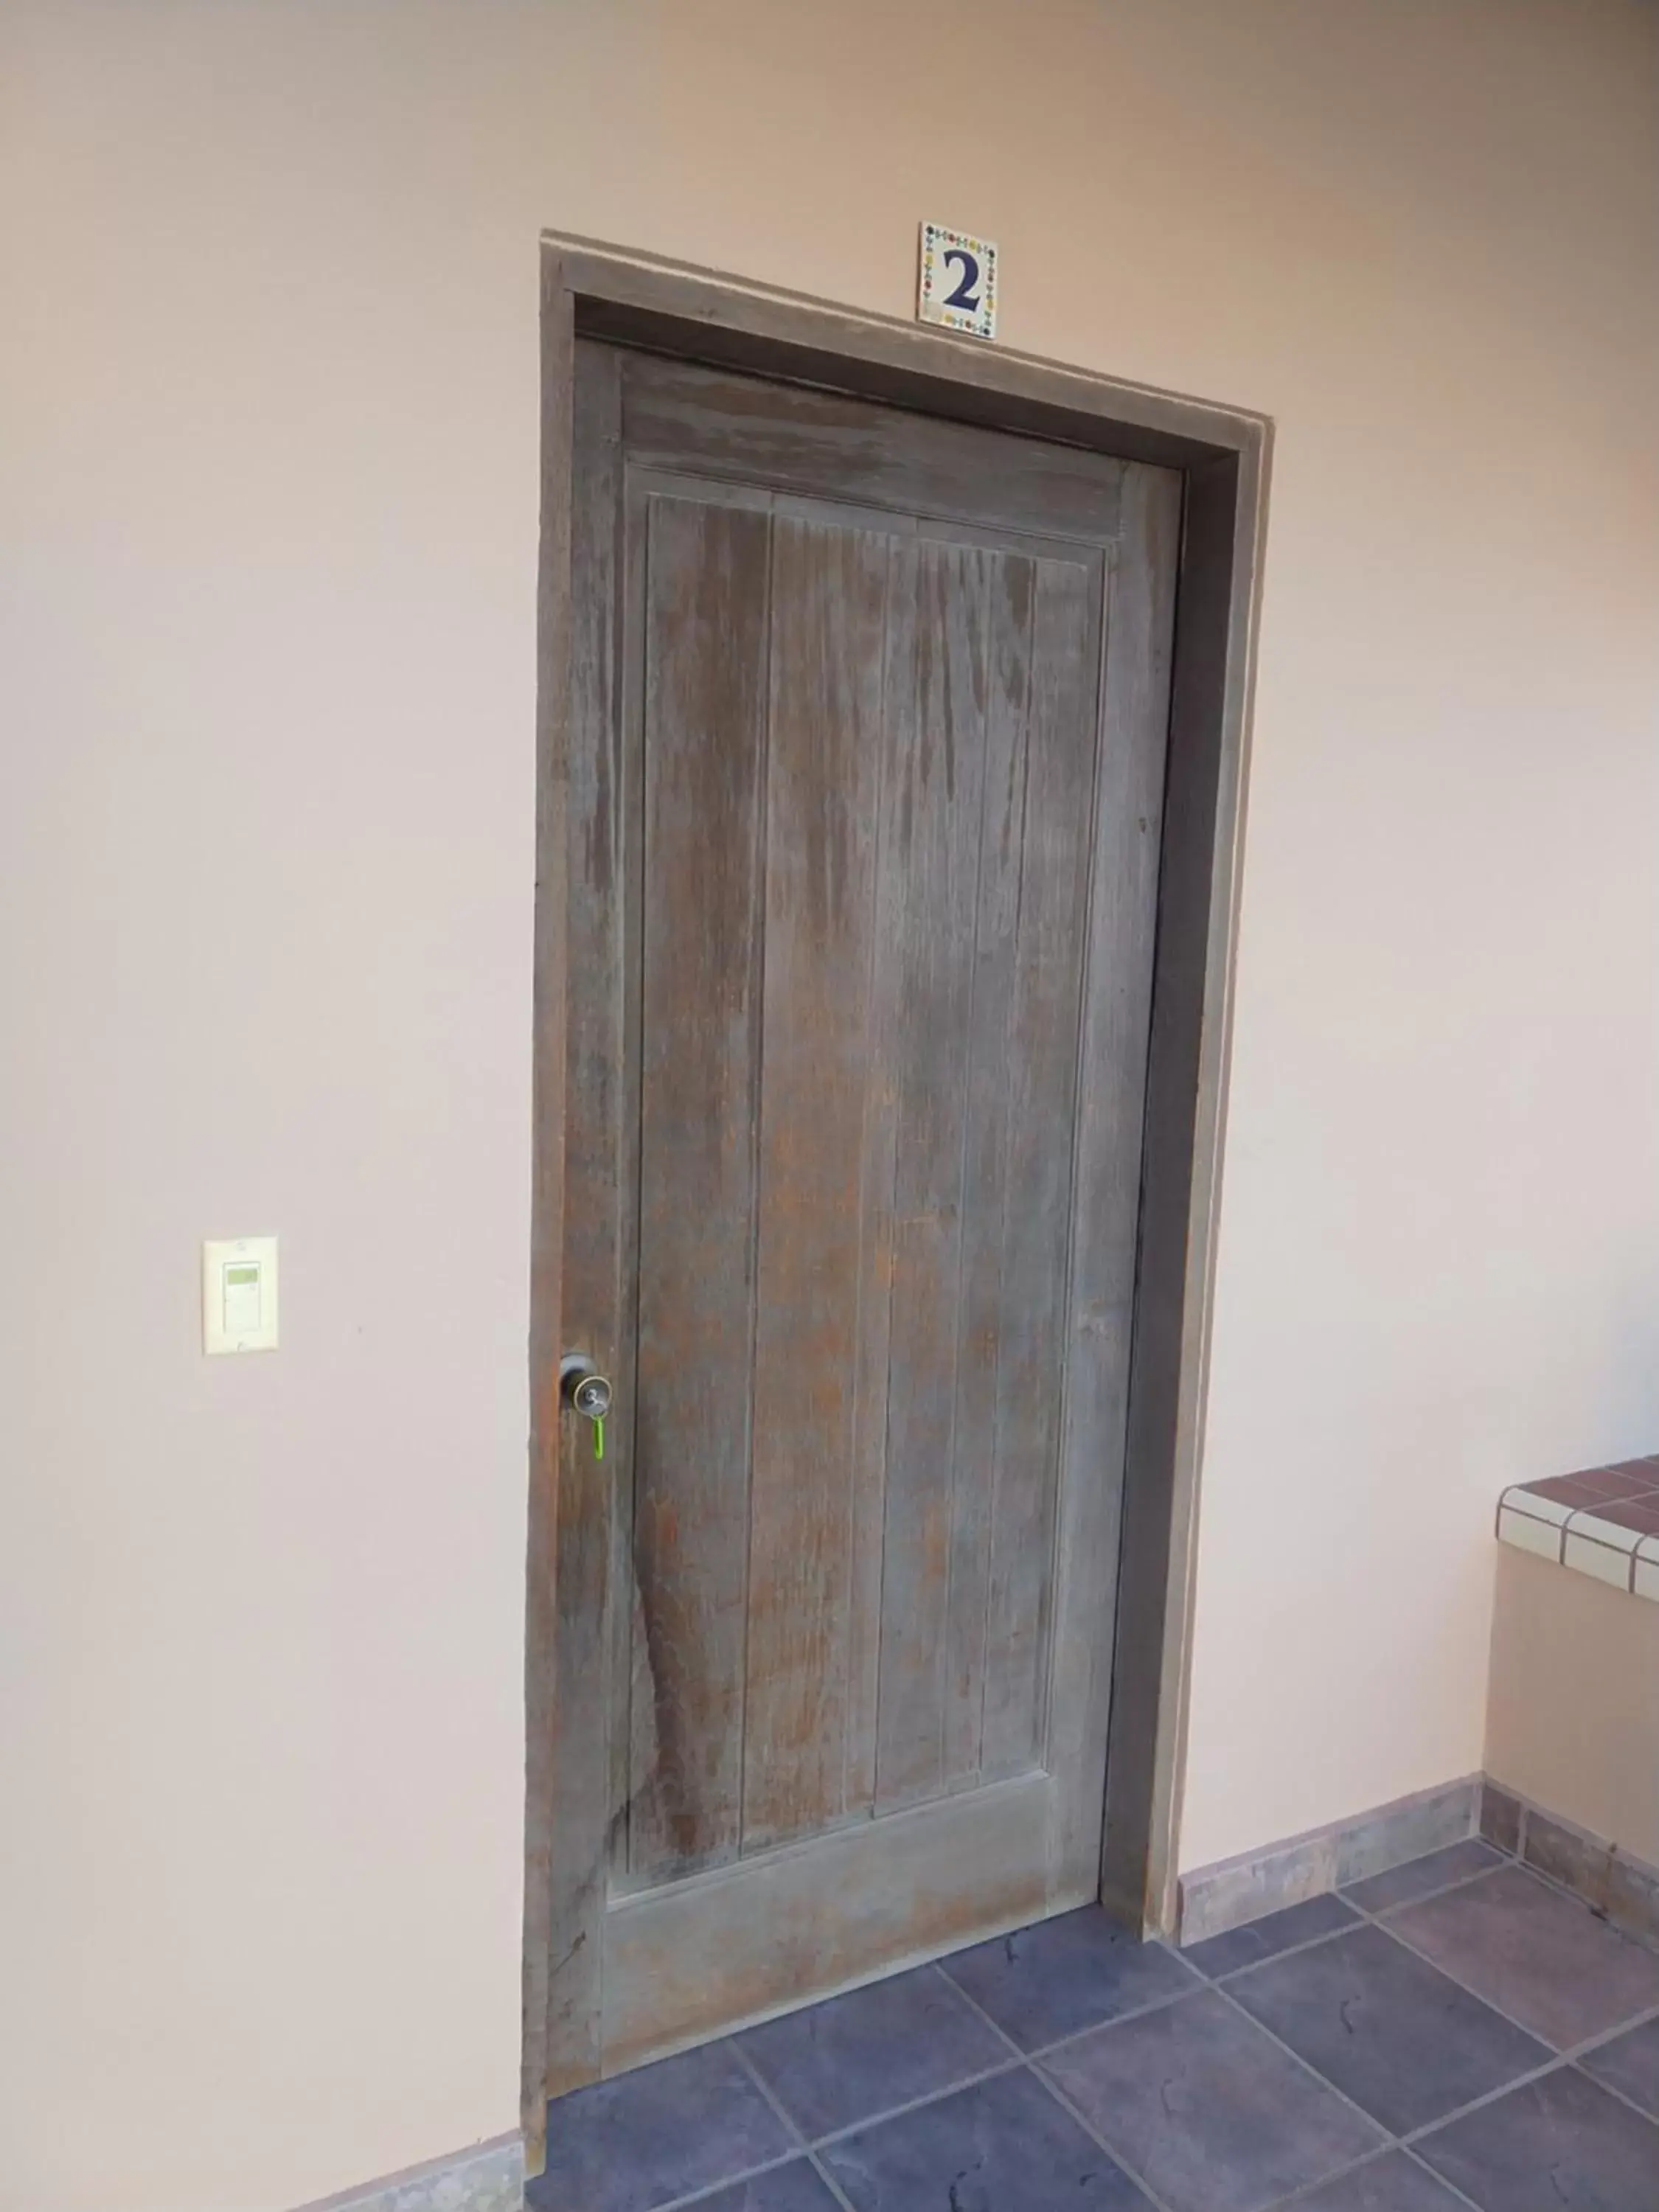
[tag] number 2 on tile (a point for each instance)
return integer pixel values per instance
(966, 295)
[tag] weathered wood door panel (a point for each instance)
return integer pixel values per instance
(866, 755)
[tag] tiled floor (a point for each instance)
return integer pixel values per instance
(1453, 2033)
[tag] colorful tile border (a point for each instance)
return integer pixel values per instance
(1603, 1522)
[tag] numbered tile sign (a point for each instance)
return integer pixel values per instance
(958, 285)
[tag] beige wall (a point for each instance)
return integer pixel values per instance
(1572, 1722)
(267, 491)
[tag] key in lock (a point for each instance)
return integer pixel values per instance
(591, 1396)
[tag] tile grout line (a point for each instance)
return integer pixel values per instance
(1312, 2189)
(1290, 1951)
(1569, 2054)
(1558, 2060)
(886, 2112)
(1644, 1942)
(1391, 2141)
(1617, 2094)
(1028, 2060)
(829, 2181)
(1116, 2157)
(790, 2123)
(1062, 2042)
(1329, 1935)
(1594, 2043)
(1410, 2136)
(1308, 2068)
(1460, 2196)
(1424, 1897)
(694, 2196)
(995, 2026)
(792, 2126)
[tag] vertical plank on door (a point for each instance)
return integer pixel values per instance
(1047, 988)
(829, 595)
(1111, 1105)
(939, 758)
(1010, 594)
(591, 1080)
(630, 1681)
(705, 708)
(873, 1320)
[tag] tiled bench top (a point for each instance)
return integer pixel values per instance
(1604, 1522)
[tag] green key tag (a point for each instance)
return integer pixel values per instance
(598, 1437)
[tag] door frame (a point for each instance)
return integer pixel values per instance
(590, 291)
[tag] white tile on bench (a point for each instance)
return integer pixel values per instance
(1519, 1499)
(1612, 1533)
(1528, 1534)
(1606, 1562)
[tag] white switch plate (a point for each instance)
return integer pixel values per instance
(239, 1294)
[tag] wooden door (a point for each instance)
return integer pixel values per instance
(866, 749)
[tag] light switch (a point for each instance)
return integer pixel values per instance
(239, 1294)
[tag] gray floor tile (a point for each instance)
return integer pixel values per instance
(1404, 1885)
(1558, 2144)
(1267, 1938)
(1407, 2044)
(875, 2048)
(1208, 2110)
(792, 2188)
(1066, 1974)
(1393, 2182)
(1545, 1959)
(1004, 2145)
(1630, 2063)
(632, 2143)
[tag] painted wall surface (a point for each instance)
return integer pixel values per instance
(268, 448)
(1573, 1722)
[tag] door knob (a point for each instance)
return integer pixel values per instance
(591, 1396)
(586, 1392)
